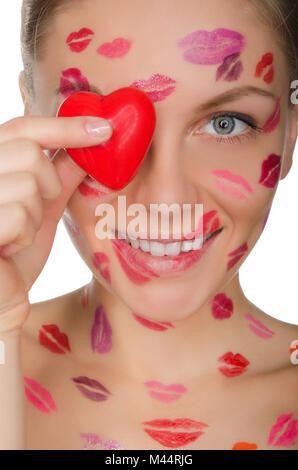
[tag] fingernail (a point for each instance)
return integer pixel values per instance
(99, 128)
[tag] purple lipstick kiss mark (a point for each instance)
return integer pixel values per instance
(236, 70)
(101, 332)
(88, 388)
(271, 168)
(94, 442)
(211, 48)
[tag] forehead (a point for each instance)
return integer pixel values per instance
(153, 29)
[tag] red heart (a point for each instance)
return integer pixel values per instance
(132, 116)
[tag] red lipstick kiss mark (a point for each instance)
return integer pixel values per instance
(273, 121)
(100, 260)
(94, 442)
(266, 61)
(89, 388)
(101, 332)
(288, 438)
(51, 338)
(85, 296)
(115, 49)
(158, 87)
(237, 255)
(76, 41)
(165, 393)
(239, 362)
(72, 81)
(136, 277)
(41, 398)
(235, 70)
(244, 446)
(271, 169)
(174, 439)
(258, 328)
(157, 326)
(222, 307)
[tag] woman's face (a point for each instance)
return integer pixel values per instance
(200, 152)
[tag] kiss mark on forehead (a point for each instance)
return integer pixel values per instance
(80, 40)
(265, 62)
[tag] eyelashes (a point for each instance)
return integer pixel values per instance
(252, 130)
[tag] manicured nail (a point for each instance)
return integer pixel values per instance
(98, 127)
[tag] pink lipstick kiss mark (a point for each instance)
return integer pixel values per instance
(159, 391)
(222, 307)
(288, 438)
(89, 388)
(223, 176)
(71, 81)
(134, 276)
(174, 439)
(238, 362)
(258, 328)
(79, 41)
(85, 296)
(115, 49)
(235, 70)
(265, 62)
(99, 261)
(51, 338)
(94, 442)
(41, 398)
(271, 169)
(101, 332)
(237, 255)
(152, 325)
(273, 121)
(211, 48)
(158, 87)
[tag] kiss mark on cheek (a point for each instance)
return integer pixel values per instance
(80, 40)
(222, 307)
(236, 364)
(288, 438)
(222, 176)
(231, 66)
(244, 446)
(265, 62)
(94, 442)
(165, 393)
(258, 328)
(174, 439)
(271, 168)
(273, 121)
(72, 81)
(101, 332)
(152, 325)
(51, 338)
(115, 49)
(211, 48)
(91, 388)
(39, 396)
(100, 261)
(158, 87)
(237, 255)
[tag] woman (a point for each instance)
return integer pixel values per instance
(162, 350)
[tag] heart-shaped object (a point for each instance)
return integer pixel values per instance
(132, 116)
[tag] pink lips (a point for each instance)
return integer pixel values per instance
(258, 328)
(115, 49)
(94, 442)
(211, 48)
(39, 396)
(224, 179)
(158, 87)
(290, 434)
(165, 393)
(79, 41)
(71, 81)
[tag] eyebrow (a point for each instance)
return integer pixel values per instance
(233, 95)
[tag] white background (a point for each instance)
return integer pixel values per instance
(269, 275)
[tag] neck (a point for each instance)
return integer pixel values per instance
(124, 341)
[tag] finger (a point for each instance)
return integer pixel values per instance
(18, 230)
(58, 132)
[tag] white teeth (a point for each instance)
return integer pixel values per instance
(173, 249)
(157, 249)
(197, 243)
(134, 243)
(187, 245)
(145, 245)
